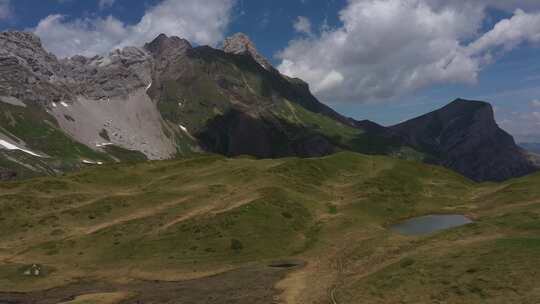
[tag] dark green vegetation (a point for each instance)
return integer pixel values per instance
(116, 225)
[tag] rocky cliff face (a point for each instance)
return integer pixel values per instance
(27, 71)
(465, 137)
(240, 44)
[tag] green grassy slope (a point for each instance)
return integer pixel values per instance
(191, 217)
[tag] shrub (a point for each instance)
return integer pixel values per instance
(236, 245)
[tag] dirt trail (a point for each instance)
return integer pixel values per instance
(187, 216)
(208, 209)
(134, 216)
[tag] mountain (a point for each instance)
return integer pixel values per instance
(169, 98)
(165, 99)
(531, 147)
(464, 136)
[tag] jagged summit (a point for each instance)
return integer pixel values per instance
(241, 44)
(164, 45)
(20, 38)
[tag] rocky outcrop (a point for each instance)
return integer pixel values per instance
(464, 136)
(101, 77)
(27, 71)
(241, 44)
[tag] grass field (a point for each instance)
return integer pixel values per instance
(308, 230)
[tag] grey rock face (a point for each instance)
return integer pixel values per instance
(116, 74)
(240, 44)
(27, 71)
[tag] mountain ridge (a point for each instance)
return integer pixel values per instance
(169, 98)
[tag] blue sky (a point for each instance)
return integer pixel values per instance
(384, 60)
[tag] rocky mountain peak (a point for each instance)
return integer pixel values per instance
(464, 136)
(164, 45)
(117, 74)
(26, 48)
(28, 40)
(241, 44)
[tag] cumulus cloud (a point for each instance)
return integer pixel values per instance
(5, 9)
(200, 21)
(302, 25)
(386, 48)
(509, 33)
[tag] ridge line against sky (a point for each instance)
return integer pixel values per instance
(386, 60)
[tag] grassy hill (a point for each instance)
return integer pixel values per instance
(209, 229)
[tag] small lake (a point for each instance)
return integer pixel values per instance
(428, 224)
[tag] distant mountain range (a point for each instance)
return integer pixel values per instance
(169, 98)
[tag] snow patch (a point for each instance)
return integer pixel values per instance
(104, 144)
(184, 129)
(65, 105)
(149, 86)
(10, 146)
(54, 105)
(91, 162)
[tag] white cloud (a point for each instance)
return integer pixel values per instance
(509, 33)
(535, 103)
(105, 3)
(5, 9)
(302, 25)
(200, 21)
(390, 47)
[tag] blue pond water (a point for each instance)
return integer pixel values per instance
(428, 224)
